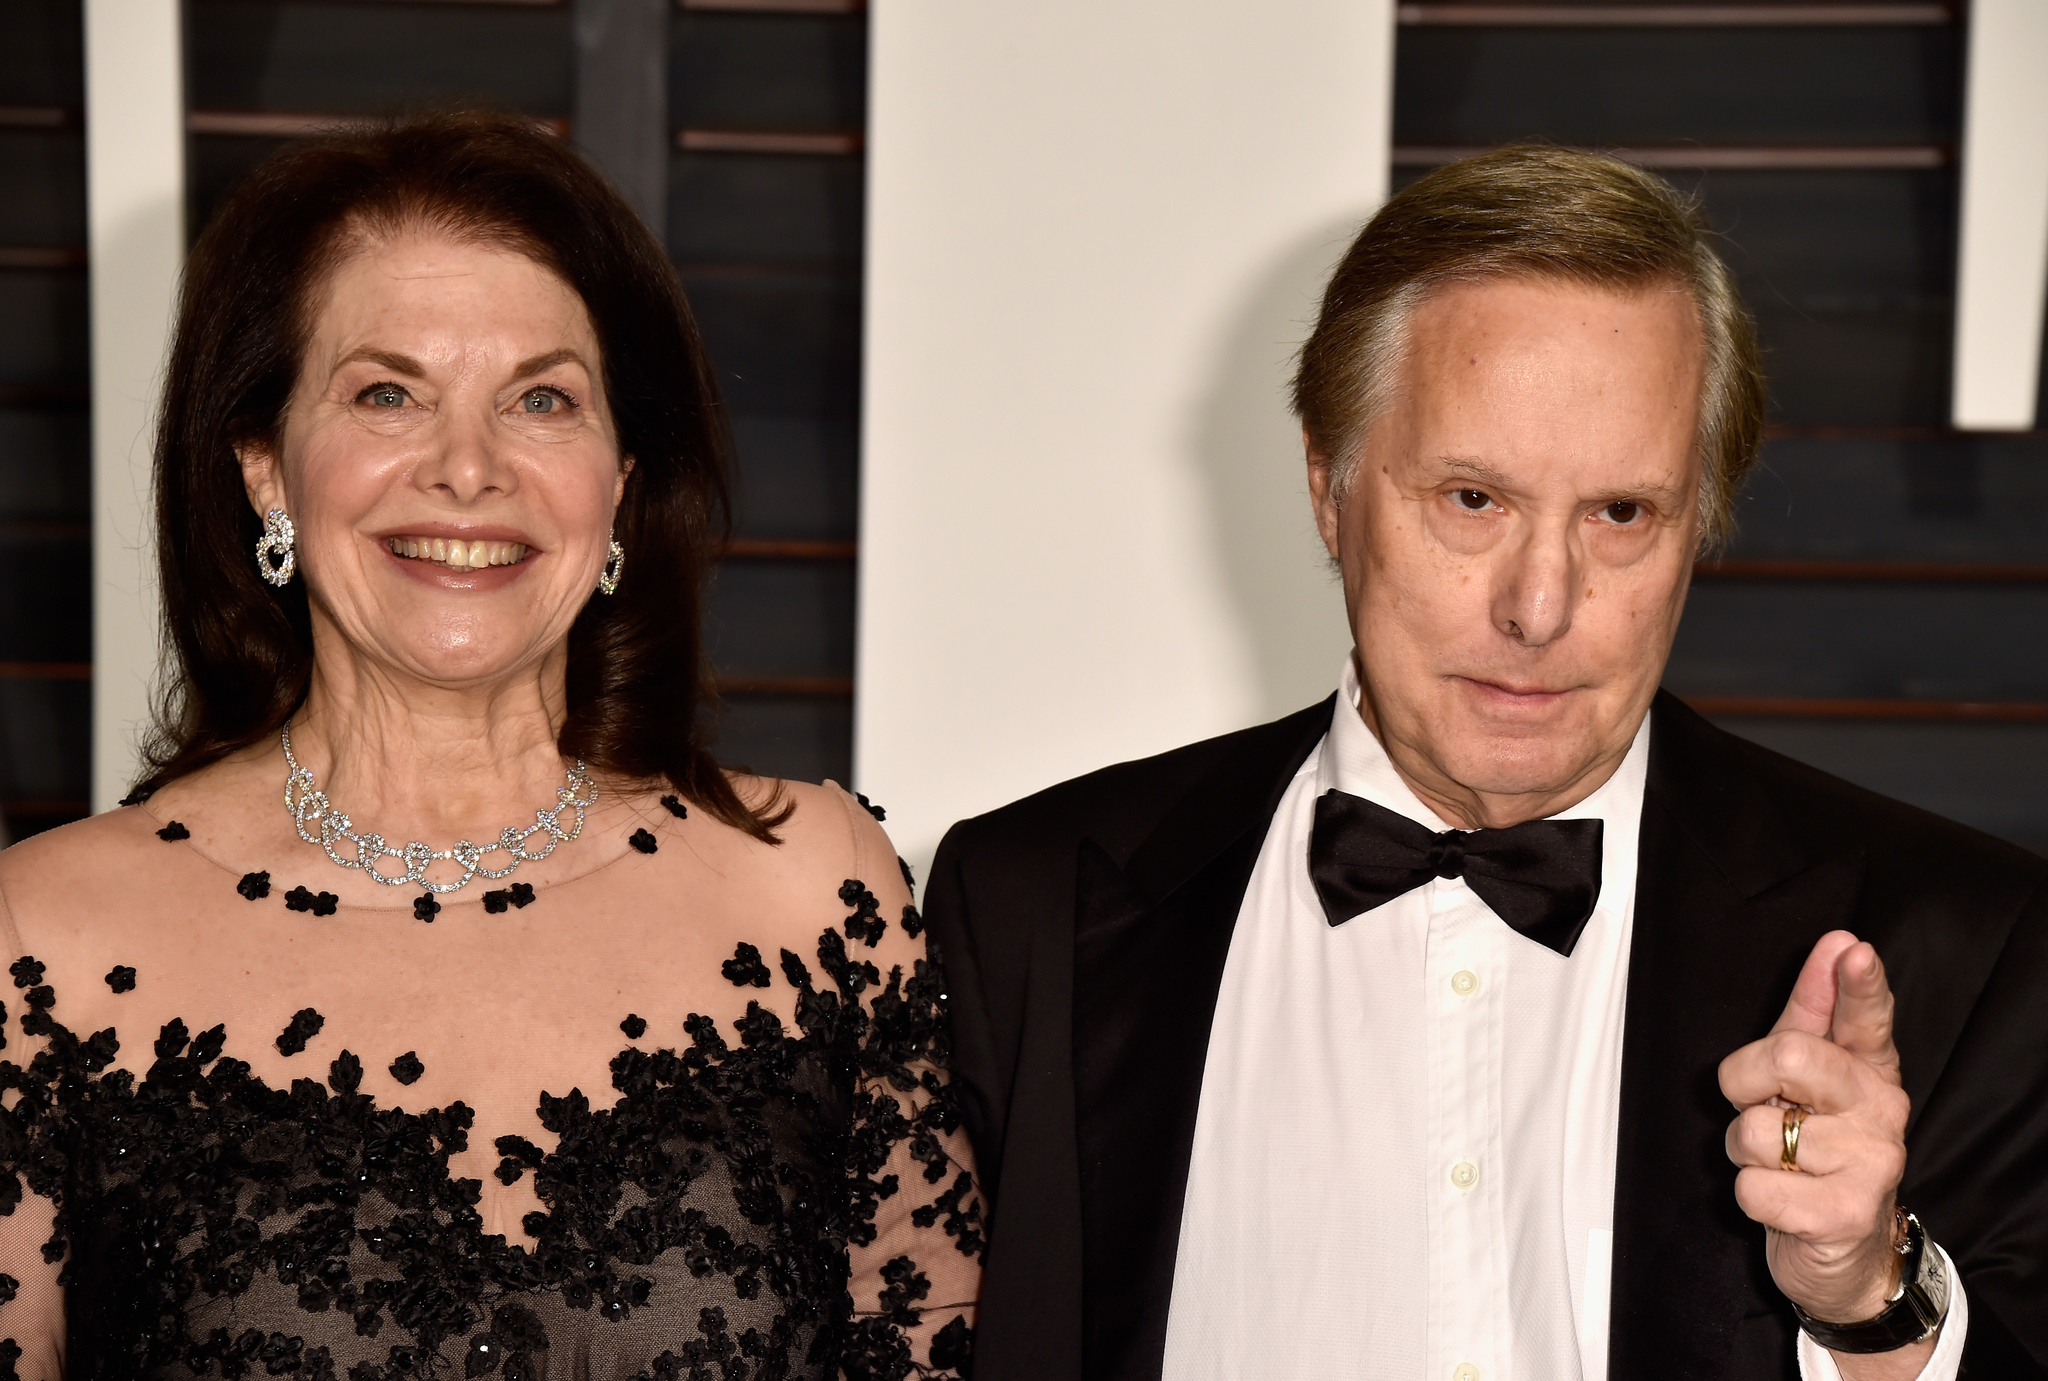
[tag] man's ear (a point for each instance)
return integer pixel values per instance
(260, 477)
(1322, 492)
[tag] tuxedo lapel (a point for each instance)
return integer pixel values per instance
(1152, 933)
(1729, 901)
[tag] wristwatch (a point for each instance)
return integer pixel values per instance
(1913, 1313)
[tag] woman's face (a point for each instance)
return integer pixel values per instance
(447, 457)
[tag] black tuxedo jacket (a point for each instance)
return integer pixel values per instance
(1084, 932)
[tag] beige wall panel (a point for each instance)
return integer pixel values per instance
(135, 218)
(2002, 276)
(1096, 236)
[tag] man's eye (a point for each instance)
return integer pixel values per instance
(1475, 500)
(385, 396)
(1624, 512)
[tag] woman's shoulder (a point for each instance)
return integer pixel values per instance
(55, 881)
(830, 824)
(820, 831)
(830, 857)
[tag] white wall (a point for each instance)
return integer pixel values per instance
(1097, 230)
(2002, 271)
(135, 240)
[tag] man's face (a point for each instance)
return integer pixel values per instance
(1517, 537)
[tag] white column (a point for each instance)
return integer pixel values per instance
(2002, 274)
(1096, 235)
(135, 217)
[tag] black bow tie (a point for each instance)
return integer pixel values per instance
(1541, 877)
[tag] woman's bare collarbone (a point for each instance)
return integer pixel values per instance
(496, 1005)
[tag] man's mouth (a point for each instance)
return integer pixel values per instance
(1516, 692)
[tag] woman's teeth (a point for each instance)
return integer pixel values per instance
(462, 556)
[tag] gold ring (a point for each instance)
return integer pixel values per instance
(1788, 1158)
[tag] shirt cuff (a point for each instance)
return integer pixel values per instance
(1816, 1363)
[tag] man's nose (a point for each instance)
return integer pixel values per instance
(1532, 601)
(467, 458)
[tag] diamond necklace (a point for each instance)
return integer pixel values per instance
(306, 802)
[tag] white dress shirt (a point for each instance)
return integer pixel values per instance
(1404, 1156)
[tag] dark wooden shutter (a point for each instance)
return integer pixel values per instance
(753, 160)
(45, 440)
(1881, 612)
(765, 210)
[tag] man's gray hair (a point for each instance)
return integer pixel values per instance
(1530, 211)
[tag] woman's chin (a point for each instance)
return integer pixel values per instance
(455, 661)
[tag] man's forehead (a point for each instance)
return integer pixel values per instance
(1501, 374)
(1506, 311)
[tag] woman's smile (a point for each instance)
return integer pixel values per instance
(469, 564)
(458, 554)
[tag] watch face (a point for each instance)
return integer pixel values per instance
(1932, 1284)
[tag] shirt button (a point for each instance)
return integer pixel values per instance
(1464, 1371)
(1464, 1175)
(1464, 982)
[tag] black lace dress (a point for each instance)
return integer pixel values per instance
(208, 1224)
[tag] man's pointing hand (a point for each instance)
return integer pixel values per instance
(1829, 1223)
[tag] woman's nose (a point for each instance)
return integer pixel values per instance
(467, 459)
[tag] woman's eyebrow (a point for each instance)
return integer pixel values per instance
(390, 359)
(548, 361)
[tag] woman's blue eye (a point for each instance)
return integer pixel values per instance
(387, 397)
(539, 402)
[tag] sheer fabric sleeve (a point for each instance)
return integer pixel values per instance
(32, 1249)
(916, 1246)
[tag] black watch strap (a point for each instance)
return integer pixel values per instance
(1914, 1313)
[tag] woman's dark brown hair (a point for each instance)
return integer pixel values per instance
(639, 696)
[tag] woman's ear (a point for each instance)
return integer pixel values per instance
(260, 477)
(619, 485)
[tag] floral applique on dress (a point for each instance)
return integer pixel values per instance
(211, 1225)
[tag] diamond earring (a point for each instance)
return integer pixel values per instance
(614, 563)
(276, 557)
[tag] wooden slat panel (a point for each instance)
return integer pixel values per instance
(43, 396)
(778, 6)
(45, 671)
(781, 549)
(1663, 16)
(32, 806)
(766, 271)
(45, 529)
(273, 124)
(1815, 431)
(38, 117)
(20, 257)
(1758, 159)
(1802, 707)
(786, 685)
(1983, 572)
(768, 141)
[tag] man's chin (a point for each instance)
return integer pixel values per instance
(1518, 744)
